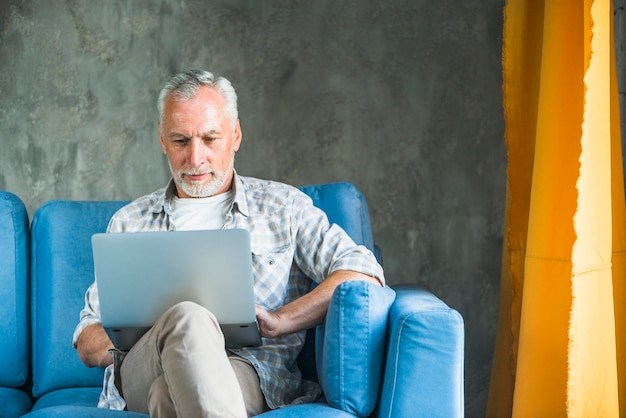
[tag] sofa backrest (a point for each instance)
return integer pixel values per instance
(345, 206)
(62, 269)
(14, 327)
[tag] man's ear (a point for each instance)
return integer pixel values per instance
(237, 135)
(161, 139)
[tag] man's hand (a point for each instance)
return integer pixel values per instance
(93, 347)
(306, 311)
(269, 322)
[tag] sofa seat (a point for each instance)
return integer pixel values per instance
(75, 402)
(13, 402)
(316, 410)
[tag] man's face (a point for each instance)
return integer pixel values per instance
(200, 143)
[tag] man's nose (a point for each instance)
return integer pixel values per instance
(196, 152)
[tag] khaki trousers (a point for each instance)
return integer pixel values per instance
(180, 369)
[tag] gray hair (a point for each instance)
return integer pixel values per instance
(185, 85)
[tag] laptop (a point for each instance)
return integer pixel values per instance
(141, 275)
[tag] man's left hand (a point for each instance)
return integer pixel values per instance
(306, 311)
(269, 322)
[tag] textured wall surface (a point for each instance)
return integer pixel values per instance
(401, 98)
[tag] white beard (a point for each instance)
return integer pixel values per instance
(197, 188)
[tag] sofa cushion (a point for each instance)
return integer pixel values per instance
(345, 206)
(317, 410)
(14, 264)
(351, 346)
(75, 402)
(86, 396)
(62, 269)
(67, 411)
(13, 402)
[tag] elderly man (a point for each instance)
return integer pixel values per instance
(180, 367)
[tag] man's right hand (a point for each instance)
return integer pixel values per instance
(93, 347)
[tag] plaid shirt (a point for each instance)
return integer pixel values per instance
(292, 245)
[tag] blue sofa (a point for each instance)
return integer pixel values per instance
(381, 352)
(14, 336)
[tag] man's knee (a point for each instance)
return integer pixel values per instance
(188, 310)
(186, 317)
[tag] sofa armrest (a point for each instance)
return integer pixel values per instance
(425, 358)
(14, 306)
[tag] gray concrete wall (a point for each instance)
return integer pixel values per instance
(401, 98)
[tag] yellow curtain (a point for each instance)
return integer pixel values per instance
(561, 342)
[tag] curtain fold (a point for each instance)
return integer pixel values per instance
(561, 343)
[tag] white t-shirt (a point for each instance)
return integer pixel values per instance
(195, 214)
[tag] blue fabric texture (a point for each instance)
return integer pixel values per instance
(14, 306)
(62, 269)
(80, 396)
(316, 410)
(75, 402)
(14, 256)
(425, 354)
(345, 206)
(76, 411)
(351, 346)
(13, 402)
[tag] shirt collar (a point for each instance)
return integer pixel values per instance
(239, 196)
(163, 200)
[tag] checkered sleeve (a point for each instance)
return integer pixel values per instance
(90, 314)
(323, 248)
